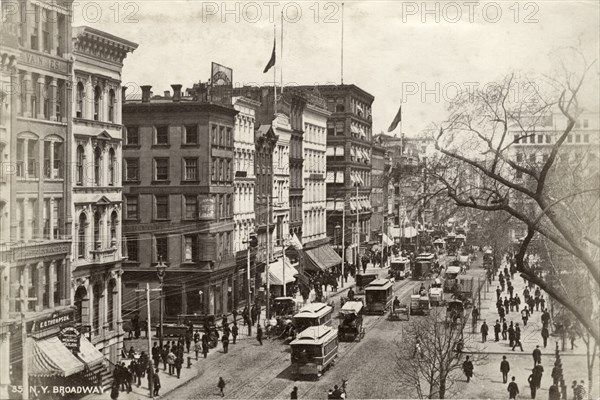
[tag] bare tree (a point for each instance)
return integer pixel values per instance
(478, 169)
(429, 372)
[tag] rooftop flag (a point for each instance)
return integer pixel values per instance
(397, 119)
(271, 62)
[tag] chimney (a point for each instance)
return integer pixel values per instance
(146, 93)
(123, 94)
(167, 93)
(176, 93)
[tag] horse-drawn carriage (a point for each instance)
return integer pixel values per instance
(351, 324)
(399, 311)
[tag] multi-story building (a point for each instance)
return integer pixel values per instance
(379, 181)
(178, 195)
(244, 210)
(348, 161)
(96, 204)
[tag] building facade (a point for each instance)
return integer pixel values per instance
(244, 210)
(96, 205)
(178, 194)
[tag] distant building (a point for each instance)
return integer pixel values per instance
(178, 199)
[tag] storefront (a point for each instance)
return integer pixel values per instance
(61, 361)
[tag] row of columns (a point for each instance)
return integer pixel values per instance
(105, 239)
(243, 199)
(39, 90)
(109, 170)
(103, 309)
(26, 215)
(39, 269)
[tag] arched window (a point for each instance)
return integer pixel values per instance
(97, 98)
(114, 220)
(110, 312)
(111, 105)
(81, 234)
(80, 160)
(97, 238)
(97, 293)
(97, 162)
(111, 167)
(80, 97)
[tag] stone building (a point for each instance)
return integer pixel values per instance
(96, 206)
(178, 194)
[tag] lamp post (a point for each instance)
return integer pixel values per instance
(252, 242)
(161, 271)
(336, 233)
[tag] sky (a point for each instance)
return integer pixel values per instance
(418, 54)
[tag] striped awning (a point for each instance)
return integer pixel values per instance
(88, 353)
(280, 271)
(50, 357)
(323, 258)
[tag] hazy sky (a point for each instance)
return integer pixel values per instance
(415, 52)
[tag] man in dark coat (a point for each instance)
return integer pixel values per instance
(504, 330)
(545, 335)
(532, 385)
(484, 332)
(505, 369)
(498, 293)
(506, 304)
(517, 338)
(525, 315)
(259, 334)
(205, 345)
(513, 389)
(537, 356)
(156, 354)
(468, 369)
(156, 382)
(497, 329)
(178, 364)
(511, 334)
(538, 372)
(234, 331)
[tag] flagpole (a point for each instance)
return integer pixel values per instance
(281, 53)
(342, 58)
(274, 77)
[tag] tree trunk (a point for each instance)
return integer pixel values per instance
(442, 388)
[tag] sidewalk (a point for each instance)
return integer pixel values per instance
(487, 381)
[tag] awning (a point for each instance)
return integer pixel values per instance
(50, 357)
(322, 258)
(88, 353)
(276, 272)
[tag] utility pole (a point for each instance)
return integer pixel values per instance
(268, 261)
(248, 299)
(357, 230)
(343, 237)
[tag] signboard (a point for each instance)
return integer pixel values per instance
(221, 75)
(54, 320)
(46, 62)
(70, 337)
(207, 209)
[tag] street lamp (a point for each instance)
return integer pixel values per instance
(161, 271)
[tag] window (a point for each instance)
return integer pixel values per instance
(569, 138)
(586, 137)
(97, 102)
(80, 97)
(214, 169)
(97, 162)
(162, 207)
(131, 209)
(57, 162)
(132, 248)
(531, 138)
(161, 169)
(578, 138)
(114, 221)
(46, 30)
(47, 169)
(110, 304)
(56, 215)
(516, 140)
(162, 135)
(191, 169)
(46, 218)
(133, 135)
(111, 105)
(35, 32)
(586, 123)
(190, 248)
(191, 207)
(81, 236)
(191, 134)
(222, 137)
(97, 295)
(229, 137)
(97, 237)
(540, 138)
(112, 165)
(547, 138)
(162, 248)
(131, 169)
(214, 135)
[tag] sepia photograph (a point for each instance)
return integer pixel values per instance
(310, 199)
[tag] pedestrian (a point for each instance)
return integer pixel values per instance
(511, 334)
(114, 391)
(156, 354)
(553, 393)
(484, 332)
(542, 303)
(156, 382)
(234, 331)
(205, 347)
(498, 293)
(537, 356)
(188, 340)
(294, 394)
(580, 391)
(178, 364)
(224, 321)
(245, 315)
(531, 304)
(475, 317)
(532, 384)
(538, 373)
(517, 341)
(135, 322)
(225, 341)
(221, 386)
(504, 330)
(197, 348)
(171, 361)
(497, 329)
(505, 369)
(526, 293)
(545, 335)
(572, 338)
(545, 317)
(517, 302)
(511, 290)
(525, 315)
(556, 374)
(506, 305)
(513, 389)
(501, 313)
(164, 353)
(468, 369)
(259, 334)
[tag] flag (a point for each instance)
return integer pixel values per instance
(396, 120)
(271, 62)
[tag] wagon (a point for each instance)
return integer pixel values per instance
(399, 312)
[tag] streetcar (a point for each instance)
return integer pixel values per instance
(399, 267)
(351, 324)
(313, 314)
(378, 295)
(422, 266)
(314, 350)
